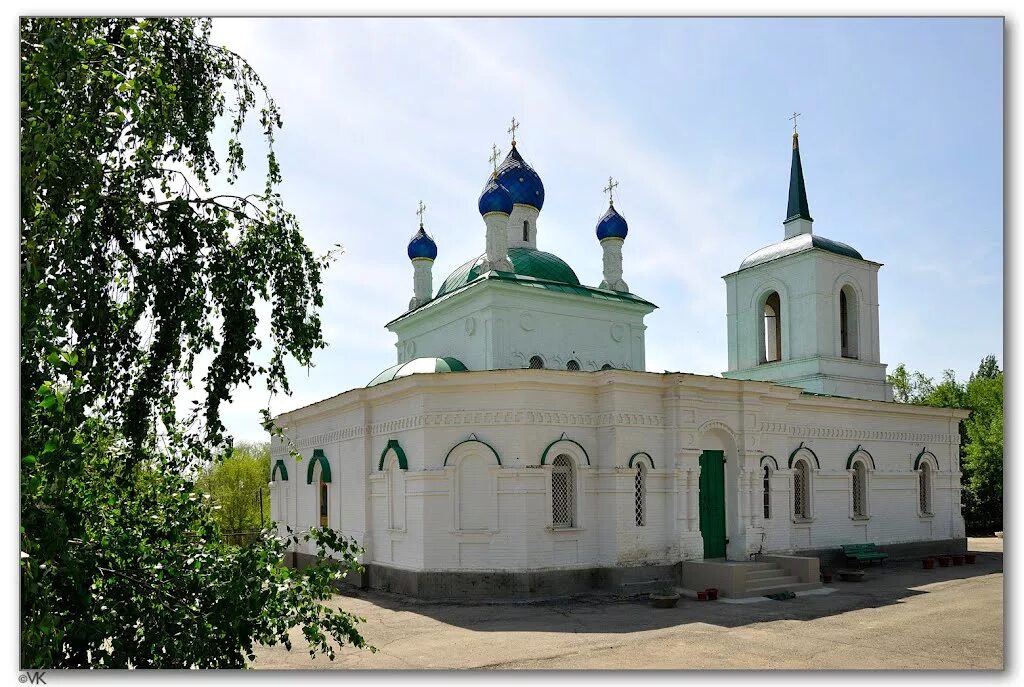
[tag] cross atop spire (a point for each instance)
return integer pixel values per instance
(609, 189)
(512, 130)
(795, 115)
(420, 211)
(495, 153)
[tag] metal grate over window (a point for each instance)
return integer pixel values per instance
(640, 495)
(858, 489)
(767, 487)
(573, 365)
(924, 480)
(562, 502)
(536, 362)
(800, 508)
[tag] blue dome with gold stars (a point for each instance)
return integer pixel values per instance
(612, 225)
(422, 246)
(521, 182)
(494, 198)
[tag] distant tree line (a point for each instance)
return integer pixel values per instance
(981, 433)
(234, 485)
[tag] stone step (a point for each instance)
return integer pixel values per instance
(775, 581)
(761, 565)
(788, 587)
(763, 573)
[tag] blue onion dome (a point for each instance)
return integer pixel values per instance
(612, 225)
(494, 198)
(521, 181)
(422, 246)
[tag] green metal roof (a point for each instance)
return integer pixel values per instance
(797, 208)
(418, 366)
(798, 244)
(528, 262)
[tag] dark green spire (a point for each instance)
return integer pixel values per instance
(797, 192)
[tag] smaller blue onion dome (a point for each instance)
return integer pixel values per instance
(494, 198)
(612, 225)
(422, 246)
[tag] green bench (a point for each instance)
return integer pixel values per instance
(864, 553)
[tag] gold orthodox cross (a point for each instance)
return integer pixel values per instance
(420, 212)
(512, 130)
(795, 115)
(610, 188)
(495, 152)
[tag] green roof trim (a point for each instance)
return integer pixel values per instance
(769, 457)
(325, 466)
(279, 467)
(403, 464)
(544, 455)
(638, 454)
(925, 452)
(859, 449)
(472, 439)
(419, 366)
(792, 456)
(527, 262)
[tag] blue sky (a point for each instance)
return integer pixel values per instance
(901, 140)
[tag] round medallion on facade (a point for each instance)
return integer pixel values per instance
(470, 326)
(618, 331)
(526, 322)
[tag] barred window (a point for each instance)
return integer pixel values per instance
(640, 495)
(536, 362)
(767, 488)
(573, 365)
(606, 366)
(859, 491)
(924, 487)
(563, 505)
(801, 488)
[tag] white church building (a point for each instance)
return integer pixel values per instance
(519, 447)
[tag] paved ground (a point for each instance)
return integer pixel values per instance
(899, 617)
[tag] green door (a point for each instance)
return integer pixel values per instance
(712, 503)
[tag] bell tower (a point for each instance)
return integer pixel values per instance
(804, 311)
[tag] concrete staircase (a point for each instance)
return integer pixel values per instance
(737, 579)
(769, 578)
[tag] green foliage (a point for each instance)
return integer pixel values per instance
(131, 269)
(234, 485)
(981, 434)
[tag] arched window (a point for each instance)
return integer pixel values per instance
(573, 365)
(924, 487)
(772, 350)
(526, 230)
(563, 501)
(536, 363)
(323, 502)
(801, 489)
(859, 489)
(640, 494)
(606, 366)
(848, 337)
(767, 488)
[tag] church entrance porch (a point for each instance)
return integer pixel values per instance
(766, 575)
(712, 503)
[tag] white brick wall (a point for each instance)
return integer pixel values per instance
(477, 514)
